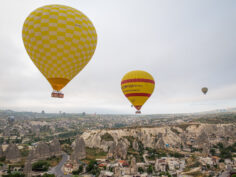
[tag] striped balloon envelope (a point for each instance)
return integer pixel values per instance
(137, 86)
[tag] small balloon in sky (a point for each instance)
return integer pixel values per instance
(204, 90)
(60, 41)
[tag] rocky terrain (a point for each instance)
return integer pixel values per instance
(177, 143)
(177, 136)
(79, 150)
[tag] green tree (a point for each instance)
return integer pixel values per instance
(95, 171)
(80, 169)
(15, 174)
(40, 166)
(92, 168)
(140, 170)
(77, 172)
(213, 152)
(48, 175)
(220, 145)
(165, 174)
(1, 140)
(176, 155)
(2, 159)
(149, 169)
(91, 165)
(24, 152)
(225, 154)
(221, 160)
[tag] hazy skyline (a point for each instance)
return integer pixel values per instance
(184, 44)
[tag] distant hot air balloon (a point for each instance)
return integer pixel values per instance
(137, 86)
(60, 41)
(204, 90)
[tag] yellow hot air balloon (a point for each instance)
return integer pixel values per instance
(137, 86)
(60, 41)
(204, 90)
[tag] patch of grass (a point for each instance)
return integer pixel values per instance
(195, 174)
(53, 161)
(95, 153)
(176, 155)
(41, 165)
(67, 148)
(24, 152)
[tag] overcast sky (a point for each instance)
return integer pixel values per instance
(184, 44)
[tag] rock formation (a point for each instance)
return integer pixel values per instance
(55, 147)
(195, 134)
(112, 150)
(156, 165)
(79, 150)
(1, 151)
(117, 172)
(121, 150)
(160, 144)
(42, 151)
(135, 145)
(133, 166)
(28, 169)
(31, 156)
(13, 153)
(118, 150)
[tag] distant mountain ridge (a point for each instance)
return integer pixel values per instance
(30, 115)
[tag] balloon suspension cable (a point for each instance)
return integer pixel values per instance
(57, 94)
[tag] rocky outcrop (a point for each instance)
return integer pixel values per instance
(133, 166)
(13, 153)
(30, 155)
(159, 144)
(117, 172)
(118, 150)
(176, 136)
(105, 145)
(27, 168)
(42, 151)
(135, 145)
(1, 151)
(121, 150)
(55, 147)
(79, 150)
(112, 150)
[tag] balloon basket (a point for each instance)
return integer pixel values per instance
(138, 112)
(56, 94)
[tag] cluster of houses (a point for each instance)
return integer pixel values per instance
(174, 167)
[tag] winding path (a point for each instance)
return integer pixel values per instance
(57, 169)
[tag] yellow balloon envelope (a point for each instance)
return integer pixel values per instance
(60, 41)
(137, 86)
